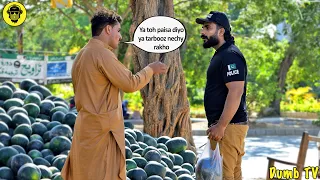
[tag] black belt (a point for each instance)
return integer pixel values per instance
(241, 123)
(237, 123)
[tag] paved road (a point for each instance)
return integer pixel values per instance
(258, 148)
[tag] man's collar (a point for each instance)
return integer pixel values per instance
(224, 46)
(105, 45)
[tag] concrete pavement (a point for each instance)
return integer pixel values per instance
(254, 163)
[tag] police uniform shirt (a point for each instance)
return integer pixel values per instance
(228, 64)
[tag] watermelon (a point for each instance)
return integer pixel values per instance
(189, 167)
(24, 129)
(32, 109)
(69, 119)
(133, 147)
(10, 85)
(130, 164)
(51, 98)
(140, 137)
(2, 110)
(163, 152)
(59, 144)
(185, 177)
(19, 119)
(61, 130)
(19, 149)
(155, 168)
(150, 141)
(57, 176)
(137, 174)
(36, 137)
(32, 119)
(176, 144)
(46, 106)
(171, 174)
(45, 122)
(19, 160)
(162, 146)
(14, 102)
(41, 161)
(127, 143)
(153, 155)
(164, 164)
(33, 98)
(46, 145)
(175, 168)
(20, 94)
(140, 161)
(60, 103)
(15, 110)
(45, 171)
(5, 93)
(132, 133)
(34, 153)
(5, 139)
(53, 124)
(49, 158)
(182, 171)
(29, 171)
(1, 145)
(20, 139)
(43, 117)
(6, 153)
(60, 99)
(38, 128)
(4, 127)
(26, 84)
(53, 169)
(142, 145)
(6, 173)
(188, 157)
(35, 145)
(163, 139)
(130, 138)
(148, 149)
(47, 137)
(43, 90)
(59, 162)
(128, 125)
(39, 94)
(46, 152)
(128, 153)
(138, 151)
(1, 104)
(178, 160)
(154, 177)
(136, 155)
(58, 116)
(167, 161)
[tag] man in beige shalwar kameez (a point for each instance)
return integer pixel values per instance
(98, 145)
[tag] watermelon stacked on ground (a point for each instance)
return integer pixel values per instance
(150, 158)
(36, 131)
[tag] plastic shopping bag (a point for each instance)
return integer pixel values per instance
(209, 165)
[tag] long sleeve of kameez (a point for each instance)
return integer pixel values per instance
(122, 77)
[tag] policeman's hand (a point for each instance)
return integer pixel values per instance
(158, 67)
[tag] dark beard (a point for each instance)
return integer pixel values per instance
(211, 42)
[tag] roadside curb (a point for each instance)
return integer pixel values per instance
(257, 132)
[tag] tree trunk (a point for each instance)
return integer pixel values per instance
(282, 75)
(166, 107)
(20, 39)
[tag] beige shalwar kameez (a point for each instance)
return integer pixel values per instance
(98, 145)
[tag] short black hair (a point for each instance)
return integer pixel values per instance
(227, 34)
(101, 18)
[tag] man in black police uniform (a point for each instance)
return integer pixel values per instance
(225, 93)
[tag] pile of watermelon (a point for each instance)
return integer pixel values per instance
(149, 158)
(36, 129)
